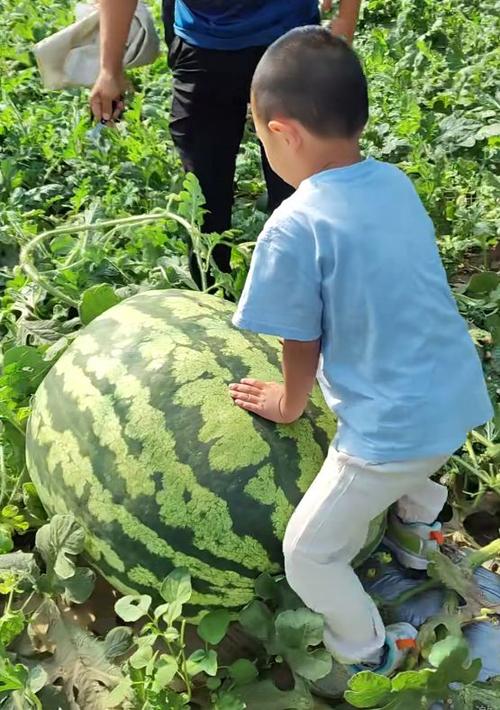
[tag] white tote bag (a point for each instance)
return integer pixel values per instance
(70, 57)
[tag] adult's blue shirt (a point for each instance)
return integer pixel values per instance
(351, 259)
(236, 24)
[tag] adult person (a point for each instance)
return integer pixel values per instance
(214, 48)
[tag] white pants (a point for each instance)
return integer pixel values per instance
(328, 529)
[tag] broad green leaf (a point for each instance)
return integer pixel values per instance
(450, 657)
(172, 612)
(266, 588)
(33, 504)
(12, 624)
(483, 282)
(37, 678)
(367, 690)
(140, 658)
(228, 700)
(177, 586)
(243, 671)
(120, 693)
(166, 669)
(58, 541)
(95, 300)
(80, 586)
(12, 676)
(202, 662)
(257, 620)
(6, 544)
(299, 629)
(411, 680)
(118, 641)
(132, 608)
(443, 650)
(264, 695)
(160, 610)
(213, 626)
(311, 665)
(213, 683)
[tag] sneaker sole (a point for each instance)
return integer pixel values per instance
(407, 559)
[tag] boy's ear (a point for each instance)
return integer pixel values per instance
(285, 130)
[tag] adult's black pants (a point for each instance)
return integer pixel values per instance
(211, 90)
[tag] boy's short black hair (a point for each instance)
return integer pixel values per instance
(315, 78)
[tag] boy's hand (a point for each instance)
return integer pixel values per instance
(267, 399)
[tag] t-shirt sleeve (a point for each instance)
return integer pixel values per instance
(282, 294)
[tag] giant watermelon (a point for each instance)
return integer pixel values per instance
(133, 431)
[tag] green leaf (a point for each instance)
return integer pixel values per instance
(160, 610)
(227, 700)
(12, 677)
(257, 620)
(165, 672)
(140, 658)
(243, 671)
(264, 695)
(177, 586)
(300, 628)
(266, 588)
(411, 680)
(121, 692)
(132, 607)
(6, 544)
(202, 662)
(450, 646)
(213, 683)
(80, 586)
(95, 300)
(33, 504)
(171, 634)
(10, 511)
(59, 539)
(457, 577)
(483, 283)
(11, 625)
(213, 627)
(450, 657)
(37, 679)
(310, 665)
(172, 613)
(367, 690)
(118, 641)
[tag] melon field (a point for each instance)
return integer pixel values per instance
(141, 513)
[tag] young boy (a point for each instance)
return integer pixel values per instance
(347, 272)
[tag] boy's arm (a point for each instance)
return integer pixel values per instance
(282, 403)
(345, 22)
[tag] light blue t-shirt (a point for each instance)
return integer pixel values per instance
(351, 258)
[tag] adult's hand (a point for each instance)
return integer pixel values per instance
(342, 28)
(106, 98)
(344, 24)
(115, 18)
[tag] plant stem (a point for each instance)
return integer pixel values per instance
(488, 552)
(409, 594)
(27, 265)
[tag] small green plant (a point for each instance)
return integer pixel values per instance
(161, 670)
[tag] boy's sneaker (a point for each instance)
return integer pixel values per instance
(400, 639)
(411, 543)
